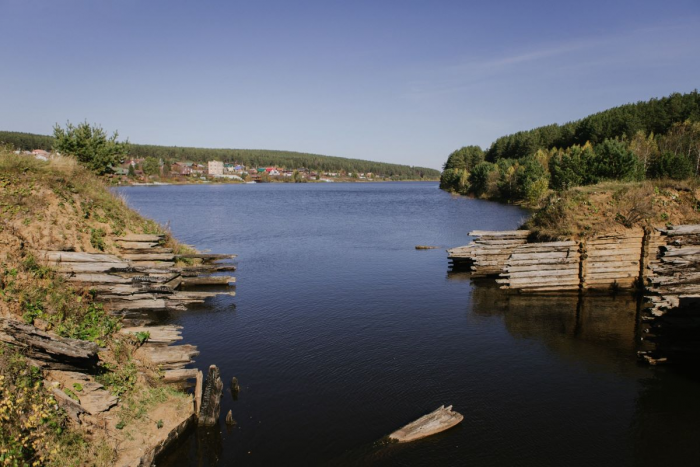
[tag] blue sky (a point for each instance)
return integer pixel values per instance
(395, 81)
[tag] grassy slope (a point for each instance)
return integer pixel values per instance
(48, 205)
(614, 206)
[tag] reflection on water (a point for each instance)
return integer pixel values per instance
(596, 329)
(341, 332)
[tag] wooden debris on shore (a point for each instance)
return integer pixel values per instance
(49, 351)
(91, 396)
(487, 254)
(142, 280)
(435, 422)
(671, 324)
(210, 407)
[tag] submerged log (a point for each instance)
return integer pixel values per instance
(211, 399)
(47, 350)
(435, 422)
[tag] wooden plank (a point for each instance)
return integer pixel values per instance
(499, 233)
(97, 279)
(532, 282)
(435, 422)
(48, 350)
(78, 257)
(537, 256)
(573, 266)
(150, 257)
(153, 264)
(205, 256)
(136, 245)
(541, 273)
(92, 267)
(132, 251)
(211, 280)
(179, 376)
(141, 238)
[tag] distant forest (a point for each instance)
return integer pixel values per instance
(659, 138)
(249, 157)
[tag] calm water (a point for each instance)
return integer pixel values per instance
(341, 332)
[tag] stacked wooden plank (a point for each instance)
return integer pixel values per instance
(612, 261)
(141, 281)
(487, 254)
(542, 267)
(673, 285)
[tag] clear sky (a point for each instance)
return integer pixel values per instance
(397, 81)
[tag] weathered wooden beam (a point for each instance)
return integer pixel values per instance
(435, 422)
(92, 267)
(77, 257)
(499, 233)
(149, 257)
(135, 245)
(210, 408)
(97, 279)
(48, 350)
(141, 238)
(179, 376)
(210, 280)
(205, 256)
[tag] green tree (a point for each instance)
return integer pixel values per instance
(132, 172)
(479, 178)
(466, 158)
(615, 161)
(675, 166)
(151, 166)
(90, 145)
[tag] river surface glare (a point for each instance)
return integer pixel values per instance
(341, 332)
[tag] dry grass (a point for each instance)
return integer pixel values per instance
(55, 205)
(614, 207)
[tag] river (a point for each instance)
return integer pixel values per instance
(342, 332)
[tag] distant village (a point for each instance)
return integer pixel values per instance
(147, 170)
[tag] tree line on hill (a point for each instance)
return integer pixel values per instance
(659, 138)
(248, 157)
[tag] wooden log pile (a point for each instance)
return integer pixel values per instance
(672, 319)
(542, 267)
(139, 282)
(612, 261)
(604, 262)
(487, 254)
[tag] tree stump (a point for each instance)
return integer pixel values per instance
(229, 418)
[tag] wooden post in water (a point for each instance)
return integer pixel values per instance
(210, 409)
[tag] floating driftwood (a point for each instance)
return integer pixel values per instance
(426, 247)
(435, 422)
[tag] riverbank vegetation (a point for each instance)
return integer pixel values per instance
(59, 205)
(654, 140)
(247, 157)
